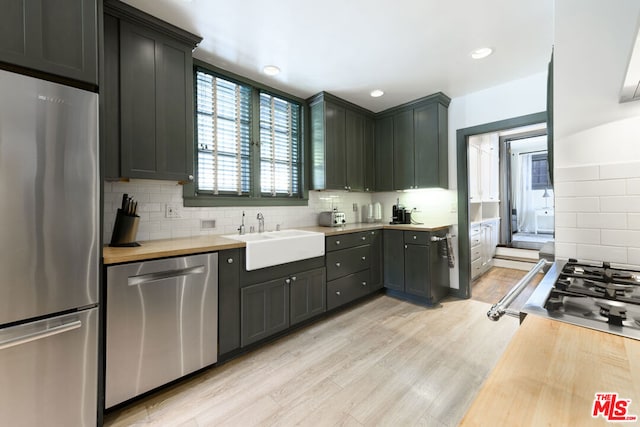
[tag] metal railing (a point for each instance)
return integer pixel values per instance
(501, 308)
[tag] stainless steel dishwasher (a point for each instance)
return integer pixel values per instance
(162, 323)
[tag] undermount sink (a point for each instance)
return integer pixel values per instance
(279, 247)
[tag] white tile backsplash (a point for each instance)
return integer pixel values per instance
(434, 206)
(598, 212)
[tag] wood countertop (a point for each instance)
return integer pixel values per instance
(192, 245)
(550, 373)
(168, 247)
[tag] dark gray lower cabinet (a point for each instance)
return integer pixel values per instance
(307, 292)
(416, 270)
(264, 310)
(228, 301)
(416, 267)
(394, 260)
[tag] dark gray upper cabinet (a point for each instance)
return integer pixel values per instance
(154, 86)
(355, 150)
(57, 37)
(431, 147)
(384, 154)
(414, 136)
(403, 150)
(340, 134)
(369, 154)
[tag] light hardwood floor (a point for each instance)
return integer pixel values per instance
(495, 283)
(383, 362)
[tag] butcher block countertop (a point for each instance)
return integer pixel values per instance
(169, 247)
(550, 373)
(192, 245)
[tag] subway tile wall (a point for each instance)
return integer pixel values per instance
(598, 213)
(153, 196)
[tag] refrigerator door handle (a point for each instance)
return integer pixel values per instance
(161, 275)
(12, 342)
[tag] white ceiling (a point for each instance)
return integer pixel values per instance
(408, 48)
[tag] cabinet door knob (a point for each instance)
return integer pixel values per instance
(364, 258)
(364, 283)
(405, 246)
(190, 177)
(337, 242)
(346, 188)
(363, 238)
(229, 260)
(293, 278)
(415, 237)
(373, 233)
(337, 264)
(337, 292)
(287, 281)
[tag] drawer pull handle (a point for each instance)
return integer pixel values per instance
(162, 275)
(229, 260)
(337, 242)
(373, 233)
(338, 293)
(363, 238)
(415, 237)
(364, 258)
(337, 264)
(364, 283)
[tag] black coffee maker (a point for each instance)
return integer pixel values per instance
(400, 215)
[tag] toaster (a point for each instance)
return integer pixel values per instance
(332, 219)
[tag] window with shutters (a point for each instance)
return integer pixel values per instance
(248, 145)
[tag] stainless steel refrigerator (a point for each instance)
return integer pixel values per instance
(49, 253)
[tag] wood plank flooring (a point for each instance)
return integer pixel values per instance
(492, 286)
(383, 362)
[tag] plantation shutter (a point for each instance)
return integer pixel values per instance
(279, 146)
(223, 111)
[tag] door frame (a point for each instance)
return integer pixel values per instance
(462, 138)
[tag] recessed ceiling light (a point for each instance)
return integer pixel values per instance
(271, 70)
(377, 93)
(483, 52)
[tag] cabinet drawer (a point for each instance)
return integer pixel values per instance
(348, 288)
(416, 237)
(476, 252)
(347, 261)
(475, 240)
(474, 230)
(344, 241)
(476, 268)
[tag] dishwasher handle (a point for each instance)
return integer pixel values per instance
(501, 308)
(168, 274)
(44, 333)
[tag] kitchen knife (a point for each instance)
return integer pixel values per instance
(125, 197)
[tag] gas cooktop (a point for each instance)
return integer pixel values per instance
(595, 296)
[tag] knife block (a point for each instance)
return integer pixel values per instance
(125, 230)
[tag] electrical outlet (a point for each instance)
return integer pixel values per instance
(171, 211)
(207, 224)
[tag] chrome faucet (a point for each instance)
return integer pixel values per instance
(241, 228)
(260, 218)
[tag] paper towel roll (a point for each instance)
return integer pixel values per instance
(377, 212)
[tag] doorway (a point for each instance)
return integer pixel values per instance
(464, 205)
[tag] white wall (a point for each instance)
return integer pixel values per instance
(512, 99)
(597, 154)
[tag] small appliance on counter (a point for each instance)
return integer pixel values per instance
(332, 218)
(400, 214)
(372, 213)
